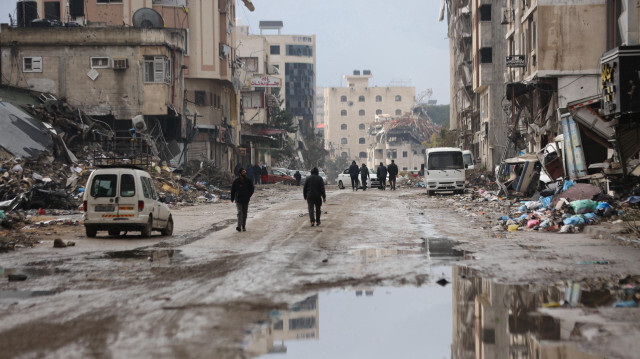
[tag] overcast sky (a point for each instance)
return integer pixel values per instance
(400, 41)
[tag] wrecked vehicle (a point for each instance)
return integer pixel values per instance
(124, 198)
(522, 176)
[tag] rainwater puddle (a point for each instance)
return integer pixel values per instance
(469, 317)
(23, 294)
(161, 256)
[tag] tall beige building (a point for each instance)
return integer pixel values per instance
(349, 113)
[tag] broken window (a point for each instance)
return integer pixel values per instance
(200, 98)
(251, 63)
(485, 12)
(32, 64)
(99, 62)
(249, 100)
(157, 69)
(485, 55)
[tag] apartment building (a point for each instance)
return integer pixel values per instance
(168, 60)
(350, 111)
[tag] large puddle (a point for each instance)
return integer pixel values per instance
(467, 318)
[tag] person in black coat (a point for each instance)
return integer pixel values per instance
(256, 174)
(298, 177)
(353, 172)
(364, 175)
(313, 192)
(241, 192)
(382, 176)
(393, 172)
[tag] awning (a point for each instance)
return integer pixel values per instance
(590, 119)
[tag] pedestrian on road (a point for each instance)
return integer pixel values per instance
(250, 173)
(298, 177)
(241, 192)
(265, 174)
(236, 170)
(256, 174)
(364, 175)
(393, 172)
(382, 176)
(313, 192)
(353, 172)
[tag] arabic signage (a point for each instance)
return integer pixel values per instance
(620, 80)
(266, 81)
(516, 61)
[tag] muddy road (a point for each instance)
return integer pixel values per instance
(205, 290)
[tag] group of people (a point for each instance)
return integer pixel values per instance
(313, 191)
(381, 173)
(255, 173)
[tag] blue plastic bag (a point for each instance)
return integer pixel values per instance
(567, 185)
(574, 220)
(546, 201)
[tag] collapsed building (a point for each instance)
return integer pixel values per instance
(400, 139)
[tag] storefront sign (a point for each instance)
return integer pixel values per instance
(266, 81)
(516, 61)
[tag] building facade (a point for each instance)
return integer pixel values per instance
(350, 112)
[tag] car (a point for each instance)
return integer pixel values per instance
(324, 177)
(276, 175)
(344, 179)
(124, 198)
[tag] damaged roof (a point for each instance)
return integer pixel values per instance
(20, 134)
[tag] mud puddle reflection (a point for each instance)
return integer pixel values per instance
(469, 317)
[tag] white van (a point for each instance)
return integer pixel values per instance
(444, 170)
(469, 163)
(123, 198)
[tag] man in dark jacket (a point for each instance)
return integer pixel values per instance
(393, 172)
(353, 172)
(298, 177)
(382, 176)
(241, 192)
(256, 174)
(313, 192)
(364, 175)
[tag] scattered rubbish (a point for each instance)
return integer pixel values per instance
(626, 304)
(443, 282)
(594, 262)
(59, 243)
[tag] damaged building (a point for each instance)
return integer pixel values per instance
(400, 139)
(556, 89)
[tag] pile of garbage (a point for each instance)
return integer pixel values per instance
(573, 207)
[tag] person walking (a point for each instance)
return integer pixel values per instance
(241, 192)
(393, 172)
(353, 172)
(298, 177)
(382, 176)
(250, 173)
(364, 176)
(264, 174)
(313, 192)
(256, 174)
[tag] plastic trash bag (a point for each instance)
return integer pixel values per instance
(583, 206)
(567, 185)
(574, 220)
(546, 201)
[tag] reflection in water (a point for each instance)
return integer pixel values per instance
(493, 320)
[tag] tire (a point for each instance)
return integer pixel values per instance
(91, 231)
(340, 185)
(114, 232)
(168, 230)
(146, 230)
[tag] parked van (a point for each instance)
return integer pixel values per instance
(444, 170)
(124, 198)
(469, 163)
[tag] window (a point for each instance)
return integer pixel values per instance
(361, 141)
(343, 98)
(361, 126)
(52, 10)
(274, 49)
(485, 12)
(378, 112)
(378, 98)
(99, 62)
(398, 112)
(250, 63)
(404, 154)
(361, 98)
(104, 185)
(299, 50)
(109, 1)
(485, 55)
(362, 155)
(343, 113)
(343, 126)
(32, 64)
(146, 191)
(252, 100)
(398, 98)
(157, 69)
(361, 112)
(127, 186)
(200, 98)
(344, 155)
(343, 140)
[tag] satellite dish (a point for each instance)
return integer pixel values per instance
(147, 18)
